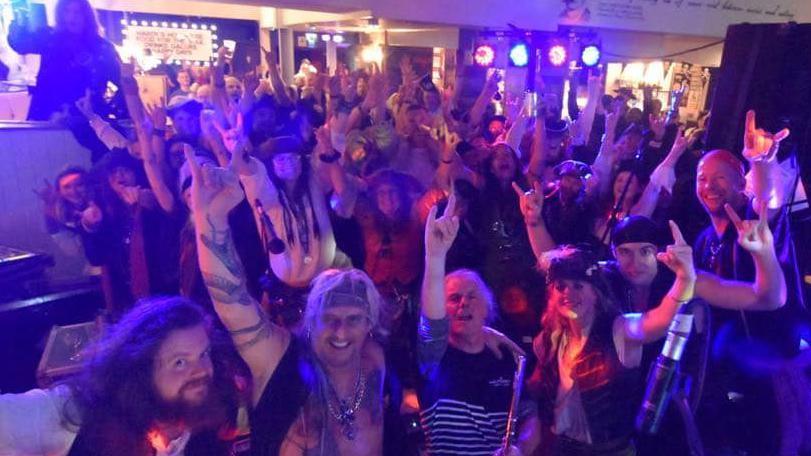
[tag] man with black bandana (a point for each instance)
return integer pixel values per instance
(639, 284)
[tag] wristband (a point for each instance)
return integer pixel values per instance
(679, 301)
(656, 144)
(332, 158)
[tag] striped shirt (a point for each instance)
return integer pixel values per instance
(464, 397)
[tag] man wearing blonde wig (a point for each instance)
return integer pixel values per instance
(317, 393)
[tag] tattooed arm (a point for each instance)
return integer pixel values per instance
(215, 191)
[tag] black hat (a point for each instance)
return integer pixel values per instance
(572, 263)
(636, 228)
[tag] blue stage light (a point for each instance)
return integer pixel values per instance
(590, 55)
(519, 55)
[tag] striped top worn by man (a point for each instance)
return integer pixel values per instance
(466, 389)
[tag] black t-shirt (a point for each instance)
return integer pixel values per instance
(760, 334)
(280, 404)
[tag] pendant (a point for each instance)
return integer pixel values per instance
(346, 418)
(308, 259)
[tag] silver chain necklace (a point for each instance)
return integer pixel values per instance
(346, 413)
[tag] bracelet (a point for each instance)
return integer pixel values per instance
(332, 158)
(262, 322)
(657, 144)
(679, 301)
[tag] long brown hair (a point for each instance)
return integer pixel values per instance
(91, 24)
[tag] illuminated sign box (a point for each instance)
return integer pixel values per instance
(171, 44)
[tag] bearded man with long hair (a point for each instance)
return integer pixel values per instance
(158, 382)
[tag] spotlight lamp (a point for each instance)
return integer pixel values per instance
(557, 55)
(590, 55)
(519, 55)
(484, 55)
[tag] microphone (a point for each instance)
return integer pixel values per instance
(274, 244)
(662, 377)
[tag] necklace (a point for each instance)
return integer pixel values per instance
(715, 250)
(345, 415)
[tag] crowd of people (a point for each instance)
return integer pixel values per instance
(359, 268)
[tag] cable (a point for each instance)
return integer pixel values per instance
(666, 56)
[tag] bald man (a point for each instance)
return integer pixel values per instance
(747, 271)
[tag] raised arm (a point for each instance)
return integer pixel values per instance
(604, 162)
(327, 160)
(768, 291)
(24, 40)
(488, 91)
(537, 158)
(531, 204)
(432, 341)
(653, 324)
(276, 81)
(662, 179)
(152, 148)
(583, 125)
(214, 192)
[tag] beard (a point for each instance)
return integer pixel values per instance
(211, 412)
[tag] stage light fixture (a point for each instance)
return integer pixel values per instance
(338, 39)
(557, 55)
(590, 55)
(326, 37)
(519, 55)
(484, 55)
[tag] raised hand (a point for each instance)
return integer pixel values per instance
(270, 56)
(214, 191)
(440, 232)
(678, 256)
(234, 139)
(130, 195)
(157, 114)
(759, 144)
(495, 341)
(531, 203)
(754, 236)
(250, 81)
(91, 217)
